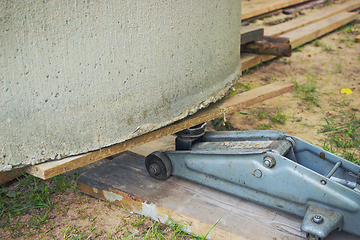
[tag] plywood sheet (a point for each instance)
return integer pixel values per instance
(125, 181)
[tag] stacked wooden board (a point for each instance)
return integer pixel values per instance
(306, 28)
(250, 11)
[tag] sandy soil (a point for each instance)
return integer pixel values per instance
(330, 63)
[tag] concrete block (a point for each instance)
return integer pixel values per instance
(78, 76)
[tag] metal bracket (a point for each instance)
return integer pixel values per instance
(320, 221)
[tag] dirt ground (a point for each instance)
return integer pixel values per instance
(328, 65)
(320, 70)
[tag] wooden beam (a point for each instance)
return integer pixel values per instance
(269, 48)
(251, 12)
(250, 34)
(310, 18)
(10, 175)
(228, 105)
(302, 35)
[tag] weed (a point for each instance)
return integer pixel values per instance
(205, 236)
(349, 28)
(219, 124)
(344, 135)
(264, 127)
(246, 86)
(298, 49)
(317, 43)
(232, 92)
(280, 117)
(325, 46)
(138, 221)
(262, 113)
(30, 195)
(269, 79)
(328, 47)
(339, 68)
(286, 61)
(307, 91)
(348, 42)
(173, 230)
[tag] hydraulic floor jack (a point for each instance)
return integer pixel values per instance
(270, 168)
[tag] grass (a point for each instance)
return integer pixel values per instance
(348, 42)
(246, 86)
(279, 117)
(286, 61)
(30, 196)
(325, 46)
(28, 206)
(220, 124)
(344, 135)
(339, 68)
(308, 91)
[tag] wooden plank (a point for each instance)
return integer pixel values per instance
(126, 182)
(250, 34)
(262, 16)
(357, 39)
(310, 18)
(10, 175)
(317, 29)
(228, 105)
(249, 60)
(251, 12)
(303, 6)
(302, 35)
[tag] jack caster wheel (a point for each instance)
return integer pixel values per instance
(158, 165)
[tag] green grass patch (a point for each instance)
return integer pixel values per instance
(344, 136)
(279, 117)
(308, 91)
(31, 196)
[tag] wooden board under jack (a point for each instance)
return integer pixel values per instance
(125, 181)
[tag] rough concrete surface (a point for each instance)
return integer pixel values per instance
(77, 76)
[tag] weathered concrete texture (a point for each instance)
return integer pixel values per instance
(77, 76)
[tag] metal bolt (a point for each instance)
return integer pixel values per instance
(269, 162)
(323, 182)
(317, 219)
(154, 169)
